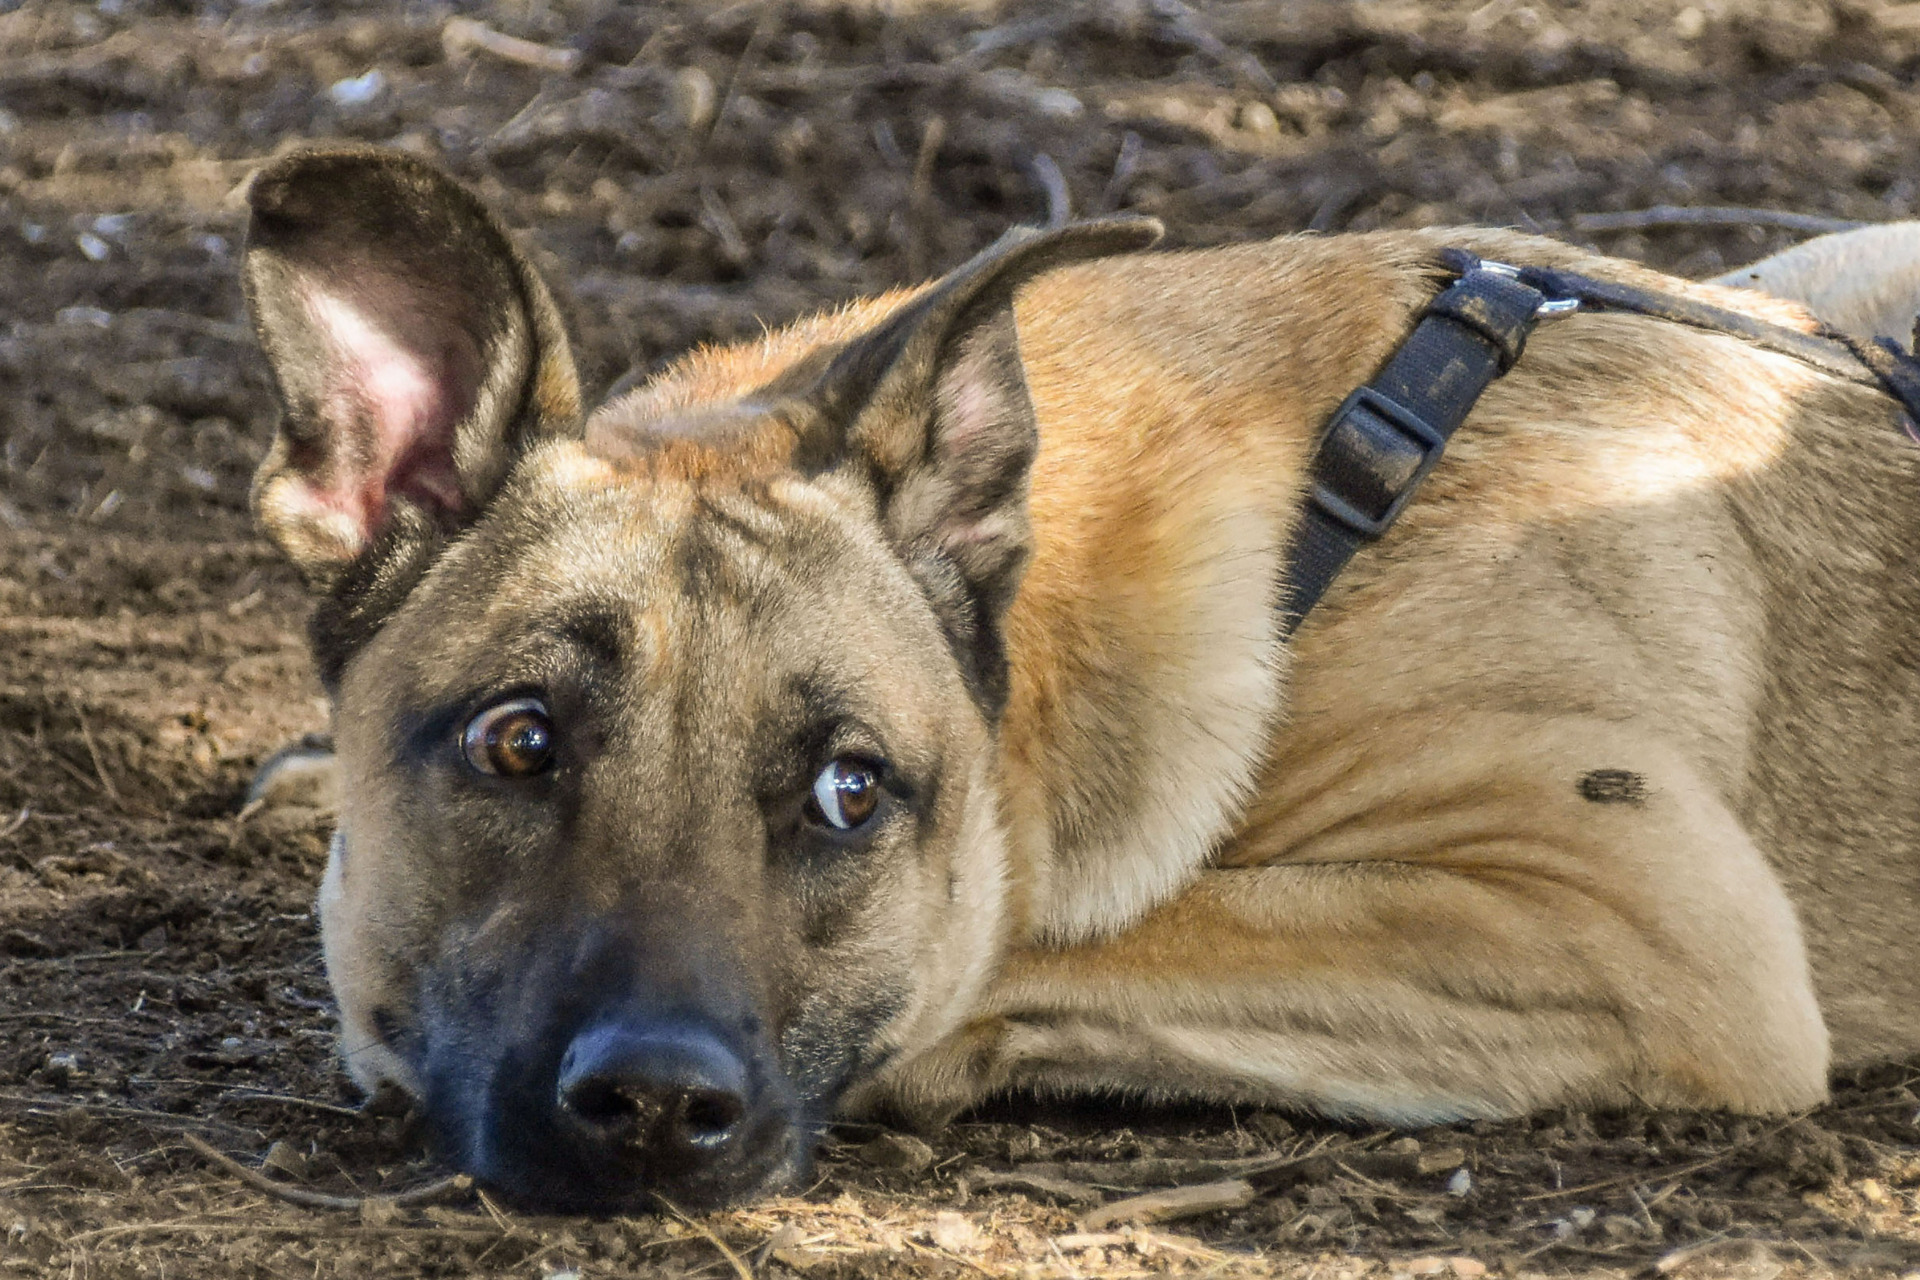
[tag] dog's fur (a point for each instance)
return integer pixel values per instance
(1865, 282)
(1586, 785)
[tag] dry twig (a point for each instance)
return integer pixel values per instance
(93, 749)
(1165, 1206)
(319, 1199)
(464, 35)
(1671, 215)
(1045, 1184)
(1660, 1175)
(1046, 172)
(734, 1260)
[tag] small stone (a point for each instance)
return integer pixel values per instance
(693, 98)
(1581, 1217)
(285, 1158)
(61, 1069)
(1467, 1268)
(1461, 1183)
(1403, 1147)
(1258, 117)
(1873, 1192)
(899, 1152)
(358, 91)
(96, 249)
(1057, 103)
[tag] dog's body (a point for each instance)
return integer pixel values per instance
(1583, 786)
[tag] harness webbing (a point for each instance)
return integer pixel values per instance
(1385, 437)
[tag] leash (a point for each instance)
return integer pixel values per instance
(1385, 437)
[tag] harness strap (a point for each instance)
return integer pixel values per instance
(1384, 439)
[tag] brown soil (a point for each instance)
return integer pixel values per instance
(700, 170)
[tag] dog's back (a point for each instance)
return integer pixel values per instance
(1643, 525)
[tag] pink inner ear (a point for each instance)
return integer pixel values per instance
(393, 409)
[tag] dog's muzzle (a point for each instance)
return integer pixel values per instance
(630, 1074)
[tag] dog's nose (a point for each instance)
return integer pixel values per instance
(674, 1093)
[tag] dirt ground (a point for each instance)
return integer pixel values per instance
(686, 172)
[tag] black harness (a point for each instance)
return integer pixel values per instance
(1385, 437)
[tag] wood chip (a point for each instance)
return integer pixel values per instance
(1166, 1206)
(1153, 1171)
(954, 1232)
(1061, 1189)
(1075, 1240)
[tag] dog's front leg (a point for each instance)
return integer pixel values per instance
(1506, 946)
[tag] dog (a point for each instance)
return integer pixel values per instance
(895, 710)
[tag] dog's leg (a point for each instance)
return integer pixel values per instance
(299, 775)
(1496, 938)
(1865, 282)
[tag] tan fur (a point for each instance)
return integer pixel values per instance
(1865, 282)
(1642, 509)
(1587, 784)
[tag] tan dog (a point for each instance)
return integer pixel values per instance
(895, 710)
(1866, 282)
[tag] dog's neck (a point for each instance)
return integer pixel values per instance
(1176, 416)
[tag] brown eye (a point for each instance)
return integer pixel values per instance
(845, 794)
(513, 739)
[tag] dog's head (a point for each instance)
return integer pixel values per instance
(666, 732)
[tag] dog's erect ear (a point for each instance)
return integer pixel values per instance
(417, 353)
(934, 404)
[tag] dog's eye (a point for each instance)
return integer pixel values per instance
(845, 794)
(512, 739)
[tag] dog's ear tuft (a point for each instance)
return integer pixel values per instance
(415, 351)
(934, 404)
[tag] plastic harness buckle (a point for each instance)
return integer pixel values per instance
(1377, 453)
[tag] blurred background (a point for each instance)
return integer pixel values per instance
(686, 172)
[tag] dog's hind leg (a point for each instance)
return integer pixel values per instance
(1864, 282)
(1512, 937)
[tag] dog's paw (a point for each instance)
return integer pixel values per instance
(301, 775)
